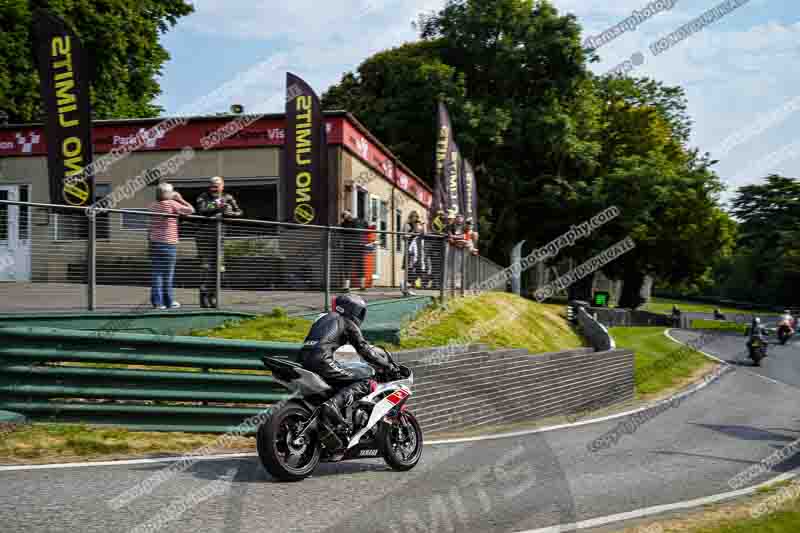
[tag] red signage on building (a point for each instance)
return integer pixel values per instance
(30, 141)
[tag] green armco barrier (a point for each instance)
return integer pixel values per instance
(73, 341)
(189, 419)
(7, 417)
(197, 397)
(188, 384)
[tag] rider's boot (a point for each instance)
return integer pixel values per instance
(335, 418)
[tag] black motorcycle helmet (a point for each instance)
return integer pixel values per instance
(353, 307)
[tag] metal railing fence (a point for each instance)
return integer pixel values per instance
(71, 258)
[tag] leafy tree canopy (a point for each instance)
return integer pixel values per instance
(122, 38)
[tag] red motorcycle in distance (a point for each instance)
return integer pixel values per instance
(786, 328)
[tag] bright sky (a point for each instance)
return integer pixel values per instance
(740, 72)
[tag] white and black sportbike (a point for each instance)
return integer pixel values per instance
(296, 437)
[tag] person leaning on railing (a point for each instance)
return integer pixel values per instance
(164, 244)
(213, 203)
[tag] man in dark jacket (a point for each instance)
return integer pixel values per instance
(329, 333)
(350, 249)
(213, 203)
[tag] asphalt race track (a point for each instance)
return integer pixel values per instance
(688, 451)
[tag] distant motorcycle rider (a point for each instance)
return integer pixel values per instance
(330, 332)
(756, 329)
(787, 318)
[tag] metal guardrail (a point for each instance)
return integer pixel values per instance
(194, 384)
(104, 260)
(145, 382)
(579, 312)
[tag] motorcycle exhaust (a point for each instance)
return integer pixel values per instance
(328, 438)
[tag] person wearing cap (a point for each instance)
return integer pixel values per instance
(214, 203)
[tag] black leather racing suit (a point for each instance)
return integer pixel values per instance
(329, 333)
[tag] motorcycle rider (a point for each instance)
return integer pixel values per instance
(787, 318)
(756, 330)
(328, 333)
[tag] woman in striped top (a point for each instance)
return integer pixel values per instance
(164, 244)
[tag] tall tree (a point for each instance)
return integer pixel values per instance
(122, 38)
(514, 77)
(671, 213)
(395, 94)
(767, 264)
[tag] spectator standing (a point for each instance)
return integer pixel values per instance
(164, 244)
(352, 246)
(457, 239)
(471, 236)
(215, 203)
(436, 247)
(414, 262)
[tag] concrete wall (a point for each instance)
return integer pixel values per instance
(626, 317)
(479, 388)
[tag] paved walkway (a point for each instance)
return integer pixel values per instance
(18, 297)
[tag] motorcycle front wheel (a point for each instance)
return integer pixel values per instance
(401, 443)
(282, 454)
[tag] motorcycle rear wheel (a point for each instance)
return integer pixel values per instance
(401, 444)
(280, 456)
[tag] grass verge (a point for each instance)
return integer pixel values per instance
(719, 325)
(664, 305)
(500, 320)
(660, 364)
(275, 327)
(730, 517)
(47, 443)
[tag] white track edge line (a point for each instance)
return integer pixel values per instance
(123, 462)
(659, 509)
(747, 370)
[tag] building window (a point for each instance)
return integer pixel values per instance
(398, 226)
(75, 225)
(4, 217)
(103, 220)
(361, 204)
(134, 221)
(258, 201)
(24, 213)
(384, 224)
